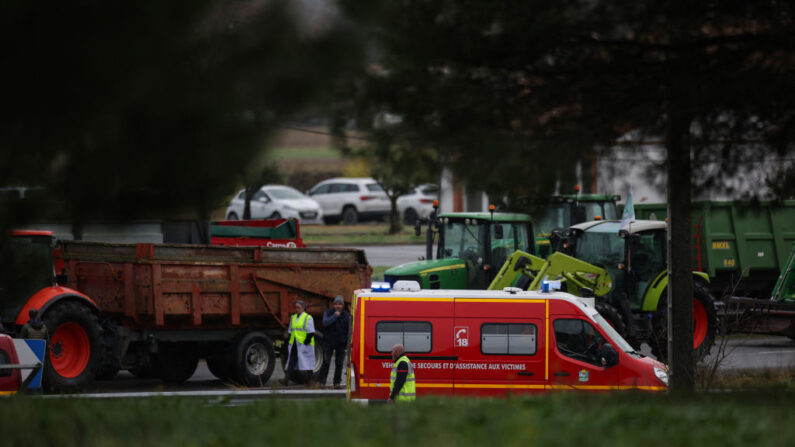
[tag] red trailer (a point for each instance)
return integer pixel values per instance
(156, 309)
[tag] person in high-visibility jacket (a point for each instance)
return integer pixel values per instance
(402, 386)
(301, 346)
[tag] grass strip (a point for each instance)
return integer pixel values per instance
(364, 234)
(628, 419)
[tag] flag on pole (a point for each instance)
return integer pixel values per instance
(628, 216)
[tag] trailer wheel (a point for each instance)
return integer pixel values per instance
(252, 359)
(75, 346)
(175, 362)
(299, 378)
(704, 324)
(218, 367)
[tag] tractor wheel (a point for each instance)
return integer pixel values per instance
(350, 216)
(75, 346)
(232, 216)
(175, 362)
(276, 215)
(704, 324)
(252, 359)
(613, 317)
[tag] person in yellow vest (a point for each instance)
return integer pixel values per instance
(301, 346)
(402, 387)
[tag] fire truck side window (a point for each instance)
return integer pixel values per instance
(508, 339)
(415, 336)
(579, 340)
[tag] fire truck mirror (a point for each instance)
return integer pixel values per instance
(609, 355)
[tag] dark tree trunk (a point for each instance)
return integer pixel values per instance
(395, 225)
(680, 278)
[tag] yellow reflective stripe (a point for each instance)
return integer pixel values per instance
(516, 300)
(439, 269)
(361, 340)
(546, 340)
(502, 385)
(520, 386)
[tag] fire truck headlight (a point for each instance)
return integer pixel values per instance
(661, 374)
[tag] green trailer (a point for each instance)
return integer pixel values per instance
(742, 246)
(774, 316)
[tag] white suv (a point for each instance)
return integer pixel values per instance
(350, 200)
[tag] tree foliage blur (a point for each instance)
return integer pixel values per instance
(514, 94)
(148, 108)
(256, 178)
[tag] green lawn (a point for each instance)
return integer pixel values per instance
(363, 234)
(305, 153)
(630, 419)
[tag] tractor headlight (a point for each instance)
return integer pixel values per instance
(661, 374)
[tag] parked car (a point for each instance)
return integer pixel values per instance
(417, 204)
(276, 202)
(350, 200)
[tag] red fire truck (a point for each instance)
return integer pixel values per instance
(471, 342)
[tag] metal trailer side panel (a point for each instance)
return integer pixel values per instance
(187, 287)
(737, 239)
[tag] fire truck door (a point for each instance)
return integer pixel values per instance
(574, 359)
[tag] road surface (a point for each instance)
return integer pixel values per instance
(392, 255)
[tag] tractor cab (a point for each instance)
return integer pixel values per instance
(563, 211)
(470, 249)
(633, 257)
(26, 266)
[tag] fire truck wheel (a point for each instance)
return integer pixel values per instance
(75, 346)
(704, 324)
(252, 359)
(175, 362)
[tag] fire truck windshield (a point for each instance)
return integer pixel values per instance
(613, 335)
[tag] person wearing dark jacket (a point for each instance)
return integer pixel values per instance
(34, 328)
(336, 323)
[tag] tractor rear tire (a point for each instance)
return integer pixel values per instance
(74, 349)
(705, 324)
(614, 317)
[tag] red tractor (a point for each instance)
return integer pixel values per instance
(28, 281)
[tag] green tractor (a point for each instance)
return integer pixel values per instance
(626, 270)
(470, 248)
